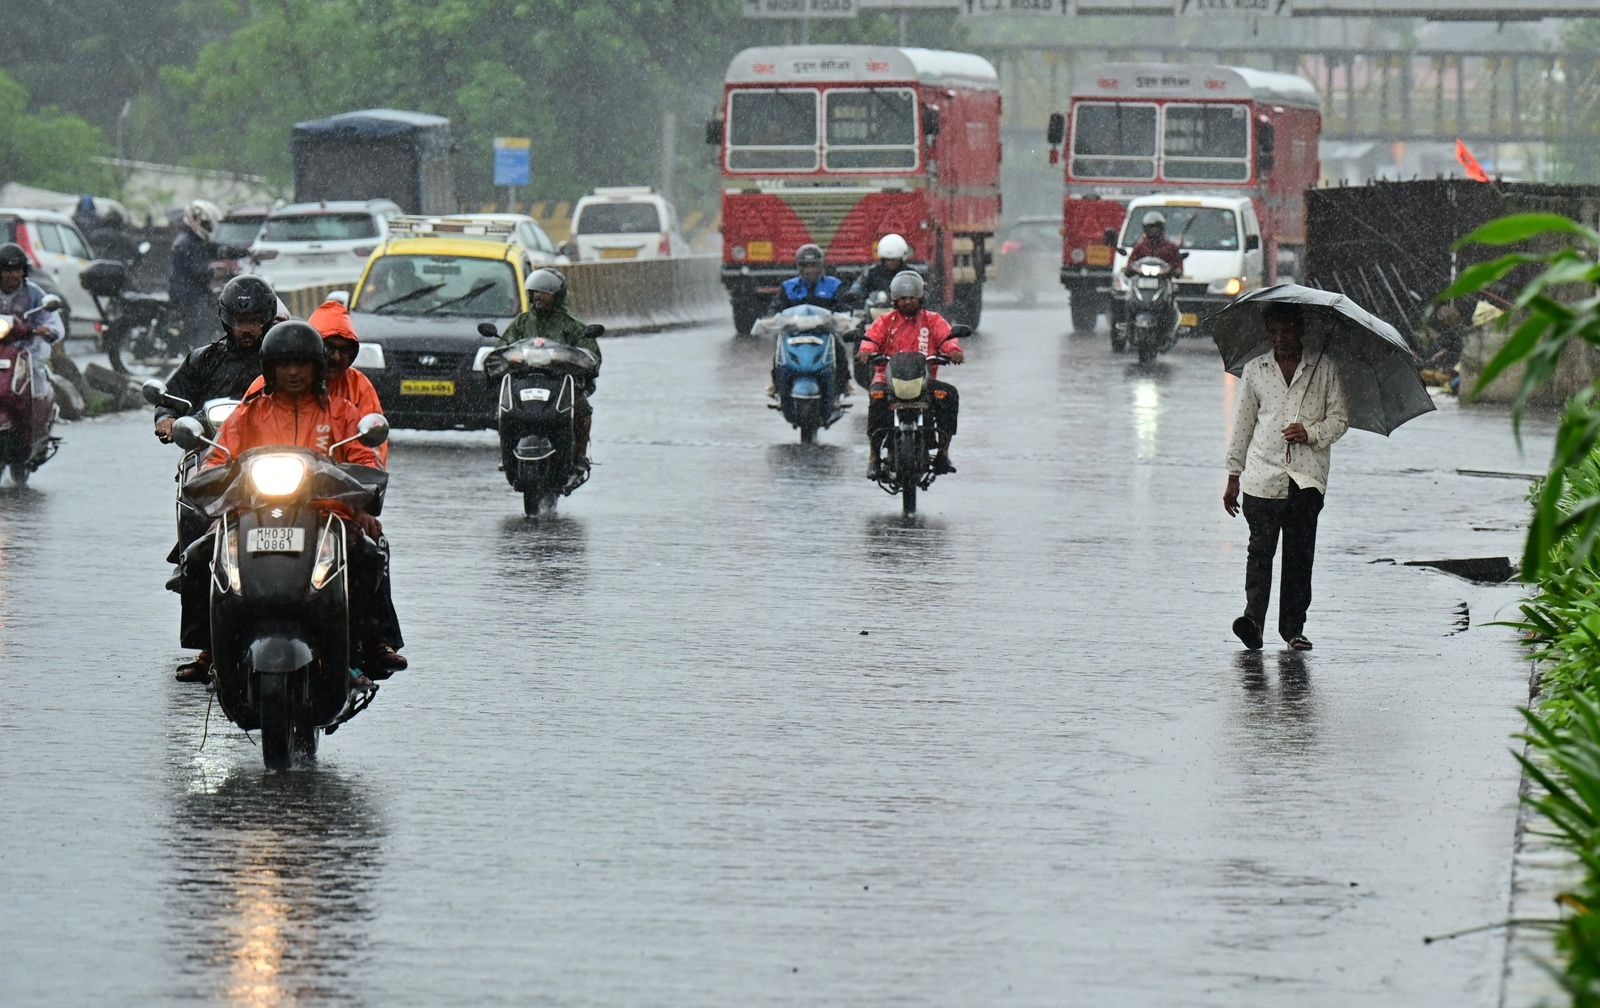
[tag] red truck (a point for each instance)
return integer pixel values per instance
(839, 145)
(1140, 129)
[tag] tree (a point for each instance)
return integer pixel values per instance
(49, 148)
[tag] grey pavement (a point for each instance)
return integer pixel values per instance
(727, 730)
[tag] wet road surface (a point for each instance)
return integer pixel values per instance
(726, 729)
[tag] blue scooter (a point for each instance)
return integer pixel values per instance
(803, 373)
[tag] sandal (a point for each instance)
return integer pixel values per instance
(1300, 643)
(198, 671)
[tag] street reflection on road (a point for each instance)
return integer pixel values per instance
(1146, 394)
(271, 904)
(1280, 716)
(550, 549)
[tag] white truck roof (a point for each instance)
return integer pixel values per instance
(1194, 81)
(858, 64)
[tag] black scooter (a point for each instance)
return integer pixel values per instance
(211, 415)
(539, 382)
(280, 587)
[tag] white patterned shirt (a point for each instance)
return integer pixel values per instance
(1257, 452)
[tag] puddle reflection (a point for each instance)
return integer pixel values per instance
(551, 549)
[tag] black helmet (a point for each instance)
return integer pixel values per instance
(294, 340)
(12, 256)
(808, 255)
(246, 298)
(548, 281)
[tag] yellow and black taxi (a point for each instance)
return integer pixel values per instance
(416, 310)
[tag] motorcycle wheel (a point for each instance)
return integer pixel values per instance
(906, 456)
(1119, 342)
(531, 499)
(277, 732)
(808, 433)
(116, 337)
(19, 474)
(305, 741)
(1147, 353)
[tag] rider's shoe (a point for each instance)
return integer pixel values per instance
(873, 469)
(198, 670)
(941, 465)
(772, 391)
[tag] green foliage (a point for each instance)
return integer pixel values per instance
(48, 148)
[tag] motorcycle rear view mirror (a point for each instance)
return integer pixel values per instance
(1183, 255)
(155, 393)
(374, 428)
(960, 331)
(188, 434)
(51, 303)
(488, 331)
(594, 331)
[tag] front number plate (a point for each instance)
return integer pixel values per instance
(431, 388)
(276, 540)
(531, 394)
(1189, 320)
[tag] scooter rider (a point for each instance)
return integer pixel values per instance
(812, 287)
(1155, 243)
(225, 368)
(19, 295)
(549, 319)
(293, 409)
(910, 328)
(189, 271)
(893, 251)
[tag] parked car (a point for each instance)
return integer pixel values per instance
(60, 252)
(519, 229)
(304, 244)
(626, 222)
(1027, 259)
(239, 228)
(417, 309)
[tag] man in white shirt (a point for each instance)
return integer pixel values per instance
(1291, 411)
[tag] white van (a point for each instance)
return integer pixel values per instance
(1223, 238)
(626, 222)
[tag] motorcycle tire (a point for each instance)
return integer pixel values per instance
(277, 729)
(116, 338)
(1119, 343)
(19, 474)
(808, 433)
(305, 741)
(1147, 353)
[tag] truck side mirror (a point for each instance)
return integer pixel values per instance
(1266, 147)
(714, 131)
(1252, 242)
(1057, 130)
(1110, 236)
(930, 121)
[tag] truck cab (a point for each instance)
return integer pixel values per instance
(1222, 236)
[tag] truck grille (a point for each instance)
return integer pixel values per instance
(822, 212)
(427, 363)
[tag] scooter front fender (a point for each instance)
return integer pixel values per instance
(279, 653)
(805, 387)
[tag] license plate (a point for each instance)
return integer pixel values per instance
(1098, 255)
(1189, 320)
(760, 251)
(276, 540)
(428, 388)
(5, 365)
(619, 253)
(1148, 283)
(539, 394)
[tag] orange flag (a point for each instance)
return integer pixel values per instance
(1475, 170)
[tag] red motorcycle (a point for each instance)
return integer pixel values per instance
(25, 419)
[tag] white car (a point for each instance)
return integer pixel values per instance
(60, 250)
(306, 244)
(626, 222)
(515, 229)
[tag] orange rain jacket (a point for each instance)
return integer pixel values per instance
(302, 422)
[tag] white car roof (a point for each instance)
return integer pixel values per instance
(335, 206)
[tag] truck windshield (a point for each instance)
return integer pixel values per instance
(872, 129)
(1114, 140)
(1204, 228)
(461, 285)
(319, 227)
(1202, 143)
(772, 130)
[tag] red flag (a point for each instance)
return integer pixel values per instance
(1475, 170)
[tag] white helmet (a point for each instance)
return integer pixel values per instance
(201, 217)
(906, 283)
(1152, 218)
(892, 246)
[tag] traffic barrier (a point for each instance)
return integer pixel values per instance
(624, 296)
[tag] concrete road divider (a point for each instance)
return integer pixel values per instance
(624, 296)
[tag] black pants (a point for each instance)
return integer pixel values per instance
(946, 407)
(1296, 517)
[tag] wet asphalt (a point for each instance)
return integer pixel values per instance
(726, 729)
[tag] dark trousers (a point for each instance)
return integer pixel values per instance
(946, 407)
(1296, 517)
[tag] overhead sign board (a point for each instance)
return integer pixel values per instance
(799, 8)
(513, 161)
(1019, 8)
(1224, 8)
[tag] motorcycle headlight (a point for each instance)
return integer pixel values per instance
(1151, 270)
(277, 475)
(369, 357)
(907, 388)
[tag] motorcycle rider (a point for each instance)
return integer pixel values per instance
(811, 287)
(293, 408)
(189, 273)
(911, 328)
(893, 251)
(549, 319)
(19, 295)
(1155, 243)
(224, 368)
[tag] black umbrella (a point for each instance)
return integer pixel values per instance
(1382, 388)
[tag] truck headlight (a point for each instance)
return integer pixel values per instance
(1227, 286)
(369, 357)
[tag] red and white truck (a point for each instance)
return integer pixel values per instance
(1142, 129)
(839, 145)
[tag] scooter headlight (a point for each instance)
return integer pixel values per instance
(277, 475)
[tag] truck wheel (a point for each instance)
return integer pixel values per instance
(1085, 309)
(966, 307)
(745, 312)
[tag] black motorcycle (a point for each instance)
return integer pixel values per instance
(138, 326)
(907, 462)
(1150, 315)
(280, 587)
(539, 384)
(212, 414)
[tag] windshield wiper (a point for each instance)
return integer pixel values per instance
(468, 296)
(419, 292)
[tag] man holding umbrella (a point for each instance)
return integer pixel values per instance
(1291, 411)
